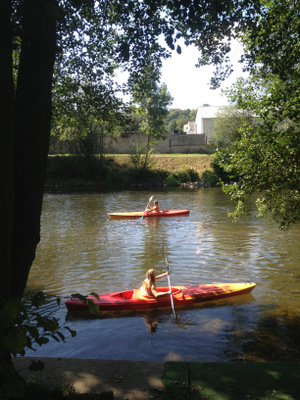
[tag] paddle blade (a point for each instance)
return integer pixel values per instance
(146, 207)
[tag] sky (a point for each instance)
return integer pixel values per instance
(189, 86)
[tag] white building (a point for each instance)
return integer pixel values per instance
(190, 128)
(205, 120)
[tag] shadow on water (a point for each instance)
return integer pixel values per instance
(275, 339)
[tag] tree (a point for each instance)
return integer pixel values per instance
(153, 102)
(25, 117)
(228, 126)
(177, 118)
(267, 159)
(87, 39)
(84, 113)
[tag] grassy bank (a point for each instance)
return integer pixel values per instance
(171, 162)
(118, 171)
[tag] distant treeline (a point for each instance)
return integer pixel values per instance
(177, 118)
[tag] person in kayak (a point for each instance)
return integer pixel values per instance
(148, 288)
(155, 208)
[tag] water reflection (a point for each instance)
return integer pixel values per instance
(83, 250)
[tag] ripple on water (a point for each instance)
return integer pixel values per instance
(83, 250)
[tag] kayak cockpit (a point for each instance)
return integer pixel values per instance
(127, 295)
(137, 294)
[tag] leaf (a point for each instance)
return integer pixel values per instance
(34, 332)
(93, 309)
(80, 297)
(169, 41)
(95, 295)
(38, 299)
(15, 341)
(9, 312)
(124, 51)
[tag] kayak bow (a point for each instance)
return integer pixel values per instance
(182, 295)
(147, 214)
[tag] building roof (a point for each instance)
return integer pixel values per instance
(208, 111)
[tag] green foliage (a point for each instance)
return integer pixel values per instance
(93, 309)
(93, 40)
(73, 170)
(186, 175)
(69, 168)
(152, 101)
(209, 176)
(177, 118)
(272, 40)
(84, 113)
(267, 162)
(220, 159)
(267, 159)
(22, 326)
(172, 181)
(138, 156)
(228, 126)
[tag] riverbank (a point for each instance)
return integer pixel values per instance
(141, 380)
(171, 162)
(119, 172)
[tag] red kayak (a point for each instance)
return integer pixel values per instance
(148, 214)
(182, 295)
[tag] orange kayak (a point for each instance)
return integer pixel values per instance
(147, 214)
(182, 295)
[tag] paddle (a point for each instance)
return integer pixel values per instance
(170, 287)
(146, 207)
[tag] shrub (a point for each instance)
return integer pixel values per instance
(208, 176)
(186, 175)
(172, 181)
(192, 174)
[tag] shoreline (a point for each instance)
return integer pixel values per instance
(142, 380)
(127, 380)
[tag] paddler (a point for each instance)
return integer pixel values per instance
(155, 208)
(148, 288)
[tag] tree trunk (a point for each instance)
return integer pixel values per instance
(6, 148)
(147, 152)
(32, 133)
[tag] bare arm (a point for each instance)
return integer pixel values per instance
(163, 275)
(149, 206)
(155, 293)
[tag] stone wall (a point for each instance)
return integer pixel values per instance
(171, 144)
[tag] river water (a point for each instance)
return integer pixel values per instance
(83, 250)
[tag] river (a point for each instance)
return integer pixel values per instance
(83, 250)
